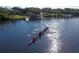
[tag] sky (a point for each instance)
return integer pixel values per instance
(41, 3)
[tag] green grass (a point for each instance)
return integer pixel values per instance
(16, 17)
(54, 15)
(4, 17)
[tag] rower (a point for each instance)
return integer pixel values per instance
(45, 29)
(40, 34)
(34, 39)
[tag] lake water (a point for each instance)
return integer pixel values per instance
(62, 36)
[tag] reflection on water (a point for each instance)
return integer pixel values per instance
(54, 35)
(14, 36)
(62, 36)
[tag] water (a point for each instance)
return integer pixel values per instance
(62, 36)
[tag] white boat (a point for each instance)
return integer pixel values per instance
(27, 19)
(41, 15)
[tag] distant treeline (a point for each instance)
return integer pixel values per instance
(16, 12)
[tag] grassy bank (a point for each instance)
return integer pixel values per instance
(4, 17)
(53, 15)
(16, 17)
(59, 15)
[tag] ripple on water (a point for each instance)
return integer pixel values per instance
(53, 35)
